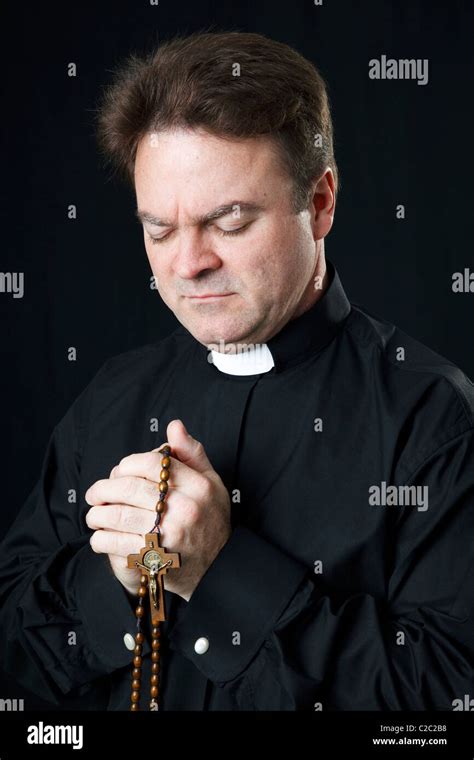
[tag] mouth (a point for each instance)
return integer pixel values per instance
(210, 296)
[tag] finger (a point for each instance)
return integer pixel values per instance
(112, 542)
(120, 517)
(148, 465)
(187, 449)
(137, 492)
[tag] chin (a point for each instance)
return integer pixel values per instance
(216, 325)
(218, 333)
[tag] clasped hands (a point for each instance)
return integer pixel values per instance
(196, 521)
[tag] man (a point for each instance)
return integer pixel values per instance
(321, 488)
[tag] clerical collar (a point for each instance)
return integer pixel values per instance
(254, 360)
(298, 339)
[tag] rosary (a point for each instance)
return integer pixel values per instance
(154, 561)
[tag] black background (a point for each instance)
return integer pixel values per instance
(87, 280)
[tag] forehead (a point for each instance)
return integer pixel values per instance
(195, 159)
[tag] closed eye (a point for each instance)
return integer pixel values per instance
(225, 233)
(155, 241)
(237, 231)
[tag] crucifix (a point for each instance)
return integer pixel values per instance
(154, 561)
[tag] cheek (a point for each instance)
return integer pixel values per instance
(160, 274)
(149, 255)
(157, 260)
(274, 254)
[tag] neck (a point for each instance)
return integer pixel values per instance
(313, 291)
(317, 284)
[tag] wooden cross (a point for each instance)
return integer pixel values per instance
(154, 561)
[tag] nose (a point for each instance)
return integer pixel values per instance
(194, 255)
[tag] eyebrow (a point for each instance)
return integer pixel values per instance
(228, 208)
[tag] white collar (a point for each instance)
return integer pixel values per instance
(253, 361)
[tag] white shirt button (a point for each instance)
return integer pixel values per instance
(129, 641)
(201, 645)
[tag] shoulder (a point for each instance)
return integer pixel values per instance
(128, 376)
(141, 362)
(124, 382)
(425, 397)
(409, 362)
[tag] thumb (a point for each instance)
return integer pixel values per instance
(186, 448)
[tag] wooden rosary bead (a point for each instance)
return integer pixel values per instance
(151, 587)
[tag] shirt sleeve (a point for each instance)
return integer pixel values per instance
(63, 614)
(277, 641)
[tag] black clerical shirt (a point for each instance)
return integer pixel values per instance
(347, 582)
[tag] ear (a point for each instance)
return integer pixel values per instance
(322, 205)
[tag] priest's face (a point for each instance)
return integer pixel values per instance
(230, 257)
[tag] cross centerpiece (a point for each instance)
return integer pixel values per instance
(154, 561)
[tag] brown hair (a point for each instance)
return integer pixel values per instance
(190, 82)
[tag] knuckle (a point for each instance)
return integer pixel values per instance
(194, 513)
(129, 488)
(90, 515)
(125, 519)
(94, 542)
(150, 460)
(206, 489)
(95, 491)
(126, 544)
(152, 491)
(179, 535)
